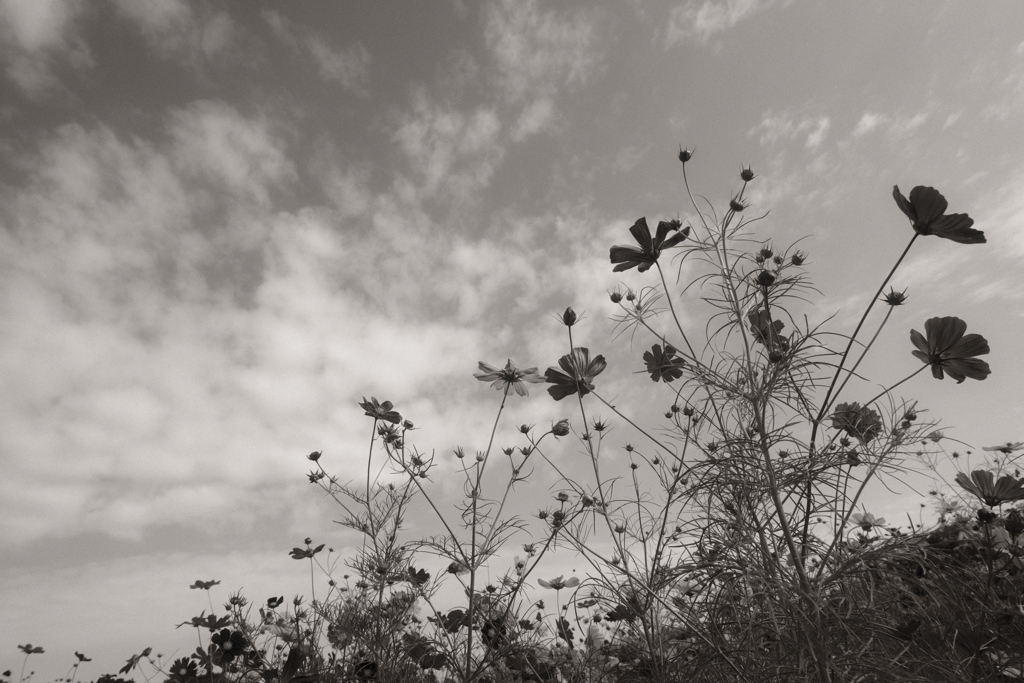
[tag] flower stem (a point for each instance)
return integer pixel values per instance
(886, 391)
(827, 403)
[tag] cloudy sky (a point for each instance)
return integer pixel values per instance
(222, 225)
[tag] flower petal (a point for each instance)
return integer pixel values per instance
(929, 206)
(902, 202)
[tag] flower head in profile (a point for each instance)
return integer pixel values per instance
(577, 374)
(767, 331)
(925, 209)
(867, 521)
(946, 348)
(663, 363)
(558, 583)
(650, 249)
(509, 377)
(894, 298)
(1006, 448)
(380, 411)
(858, 421)
(984, 485)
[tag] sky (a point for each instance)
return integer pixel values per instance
(223, 225)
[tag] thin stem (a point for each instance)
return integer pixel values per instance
(886, 391)
(826, 404)
(672, 308)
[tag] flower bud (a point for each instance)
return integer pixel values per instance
(569, 317)
(798, 258)
(685, 155)
(314, 456)
(562, 496)
(737, 204)
(894, 298)
(560, 428)
(746, 175)
(766, 278)
(1014, 523)
(616, 297)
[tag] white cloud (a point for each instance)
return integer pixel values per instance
(537, 52)
(449, 150)
(774, 128)
(349, 66)
(705, 19)
(817, 135)
(174, 30)
(869, 121)
(534, 118)
(215, 142)
(33, 33)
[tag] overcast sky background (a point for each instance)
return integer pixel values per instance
(222, 225)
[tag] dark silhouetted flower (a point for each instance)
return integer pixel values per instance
(767, 331)
(578, 376)
(925, 209)
(746, 175)
(231, 643)
(894, 298)
(859, 422)
(945, 348)
(663, 364)
(380, 411)
(569, 317)
(650, 249)
(1006, 448)
(766, 278)
(183, 670)
(508, 377)
(983, 484)
(867, 521)
(558, 583)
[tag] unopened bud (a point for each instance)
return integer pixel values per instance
(569, 317)
(560, 428)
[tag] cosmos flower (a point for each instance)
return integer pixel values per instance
(945, 348)
(767, 331)
(663, 363)
(579, 373)
(1006, 448)
(867, 521)
(558, 583)
(858, 421)
(380, 411)
(983, 484)
(925, 209)
(650, 249)
(508, 377)
(231, 643)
